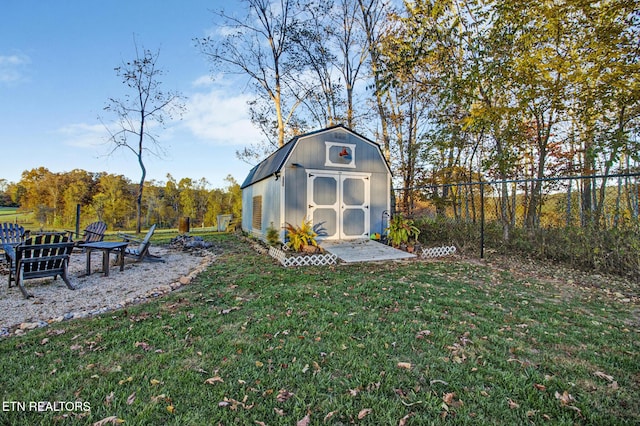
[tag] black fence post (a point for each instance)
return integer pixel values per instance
(481, 220)
(77, 220)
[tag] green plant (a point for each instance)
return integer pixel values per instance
(301, 236)
(401, 230)
(273, 236)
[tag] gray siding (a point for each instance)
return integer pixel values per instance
(270, 190)
(309, 152)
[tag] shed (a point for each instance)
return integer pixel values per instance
(334, 177)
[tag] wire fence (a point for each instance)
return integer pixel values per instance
(497, 214)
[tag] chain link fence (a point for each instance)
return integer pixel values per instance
(588, 221)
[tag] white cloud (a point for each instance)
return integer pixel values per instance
(220, 120)
(203, 81)
(12, 67)
(82, 135)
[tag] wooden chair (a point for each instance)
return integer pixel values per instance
(40, 256)
(141, 252)
(12, 234)
(93, 233)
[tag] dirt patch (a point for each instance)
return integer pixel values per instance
(52, 301)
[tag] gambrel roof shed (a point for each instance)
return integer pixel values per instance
(335, 177)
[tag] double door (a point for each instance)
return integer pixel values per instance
(339, 203)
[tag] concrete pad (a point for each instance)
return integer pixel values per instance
(364, 251)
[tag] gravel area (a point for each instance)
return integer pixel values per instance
(52, 301)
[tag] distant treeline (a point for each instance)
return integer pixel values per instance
(52, 198)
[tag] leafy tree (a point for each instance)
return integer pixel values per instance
(37, 197)
(153, 203)
(187, 198)
(114, 201)
(137, 111)
(235, 196)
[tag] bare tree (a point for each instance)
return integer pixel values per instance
(146, 103)
(257, 46)
(373, 14)
(351, 42)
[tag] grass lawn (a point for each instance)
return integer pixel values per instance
(11, 214)
(418, 343)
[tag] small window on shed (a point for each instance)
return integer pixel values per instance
(257, 213)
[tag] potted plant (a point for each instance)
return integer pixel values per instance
(302, 238)
(401, 231)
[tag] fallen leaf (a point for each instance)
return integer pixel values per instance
(260, 423)
(304, 421)
(449, 400)
(403, 421)
(154, 382)
(128, 379)
(602, 375)
(131, 398)
(279, 412)
(114, 420)
(108, 399)
(540, 387)
(160, 397)
(422, 334)
(283, 395)
(145, 346)
(363, 413)
(213, 380)
(259, 364)
(448, 397)
(171, 409)
(565, 398)
(405, 365)
(329, 415)
(513, 405)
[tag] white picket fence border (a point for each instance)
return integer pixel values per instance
(438, 251)
(288, 260)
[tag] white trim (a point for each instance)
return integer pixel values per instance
(327, 159)
(283, 177)
(339, 206)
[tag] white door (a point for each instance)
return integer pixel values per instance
(339, 203)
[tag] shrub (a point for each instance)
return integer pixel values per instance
(273, 236)
(401, 230)
(301, 236)
(614, 251)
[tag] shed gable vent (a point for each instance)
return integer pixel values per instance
(256, 220)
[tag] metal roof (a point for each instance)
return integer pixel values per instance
(270, 165)
(273, 163)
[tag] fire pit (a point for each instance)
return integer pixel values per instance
(190, 243)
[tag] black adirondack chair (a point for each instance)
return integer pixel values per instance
(40, 256)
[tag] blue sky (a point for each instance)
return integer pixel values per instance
(57, 61)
